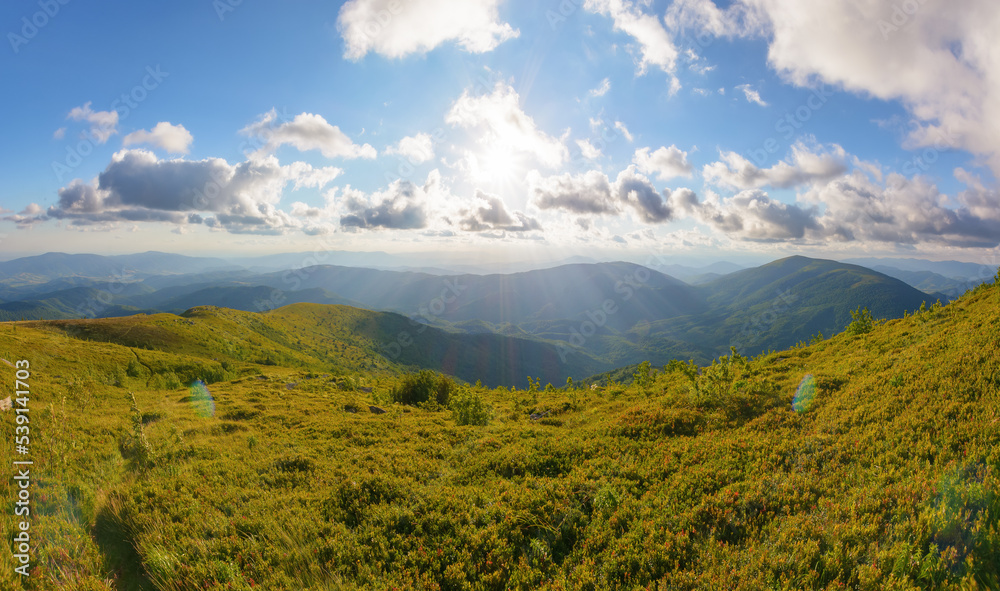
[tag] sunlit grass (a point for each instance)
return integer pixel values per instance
(693, 478)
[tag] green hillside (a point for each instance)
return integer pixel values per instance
(333, 339)
(869, 460)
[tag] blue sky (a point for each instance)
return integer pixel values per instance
(610, 128)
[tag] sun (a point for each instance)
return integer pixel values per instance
(499, 164)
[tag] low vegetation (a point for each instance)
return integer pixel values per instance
(869, 460)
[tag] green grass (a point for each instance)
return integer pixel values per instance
(695, 478)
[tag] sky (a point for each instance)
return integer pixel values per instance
(607, 128)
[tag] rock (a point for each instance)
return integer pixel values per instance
(350, 408)
(376, 410)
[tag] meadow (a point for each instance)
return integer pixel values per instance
(191, 452)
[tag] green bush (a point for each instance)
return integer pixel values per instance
(423, 387)
(642, 377)
(861, 322)
(468, 408)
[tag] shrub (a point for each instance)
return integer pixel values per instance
(135, 447)
(135, 369)
(642, 377)
(423, 387)
(861, 322)
(468, 408)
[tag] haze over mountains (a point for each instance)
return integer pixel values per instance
(580, 317)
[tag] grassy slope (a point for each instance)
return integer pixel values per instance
(888, 481)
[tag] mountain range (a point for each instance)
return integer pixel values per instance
(589, 317)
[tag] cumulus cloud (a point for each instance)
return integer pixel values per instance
(939, 62)
(806, 166)
(172, 138)
(656, 48)
(304, 175)
(502, 125)
(103, 124)
(635, 191)
(589, 192)
(138, 186)
(307, 131)
(754, 216)
(402, 205)
(395, 29)
(751, 95)
(854, 207)
(490, 214)
(594, 193)
(906, 211)
(666, 163)
(29, 216)
(417, 149)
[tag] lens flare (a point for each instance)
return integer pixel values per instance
(805, 395)
(201, 400)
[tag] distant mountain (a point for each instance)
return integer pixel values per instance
(781, 303)
(695, 275)
(605, 313)
(120, 268)
(565, 292)
(982, 271)
(933, 284)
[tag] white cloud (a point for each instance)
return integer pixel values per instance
(304, 175)
(394, 28)
(602, 89)
(752, 95)
(704, 15)
(59, 133)
(402, 205)
(937, 60)
(588, 150)
(172, 138)
(489, 214)
(103, 124)
(590, 192)
(593, 193)
(753, 215)
(417, 149)
(655, 45)
(806, 166)
(501, 125)
(906, 211)
(138, 187)
(666, 163)
(852, 207)
(306, 131)
(624, 131)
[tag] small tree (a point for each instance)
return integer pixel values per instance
(135, 447)
(642, 377)
(469, 408)
(861, 322)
